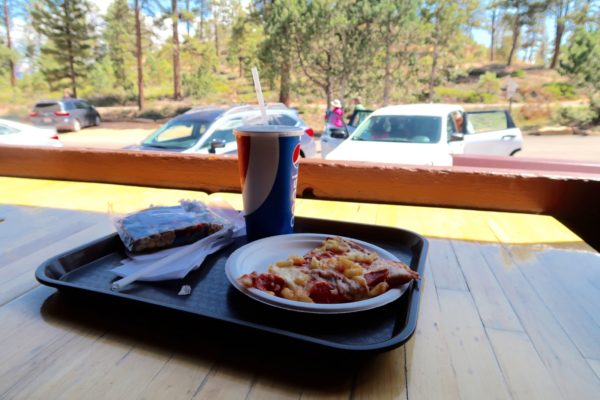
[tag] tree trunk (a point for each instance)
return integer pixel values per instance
(139, 55)
(515, 39)
(493, 37)
(176, 72)
(328, 92)
(11, 64)
(386, 76)
(434, 61)
(342, 90)
(560, 30)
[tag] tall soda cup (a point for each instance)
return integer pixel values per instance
(268, 158)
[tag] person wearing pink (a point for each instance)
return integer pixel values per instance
(335, 117)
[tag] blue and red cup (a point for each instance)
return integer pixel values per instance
(268, 158)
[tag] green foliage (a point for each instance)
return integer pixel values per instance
(581, 60)
(120, 40)
(518, 74)
(199, 80)
(246, 36)
(560, 90)
(575, 116)
(458, 95)
(100, 81)
(155, 114)
(64, 23)
(489, 83)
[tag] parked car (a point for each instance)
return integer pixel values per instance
(210, 130)
(15, 133)
(65, 114)
(429, 134)
(332, 138)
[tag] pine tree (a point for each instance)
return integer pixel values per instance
(69, 34)
(521, 13)
(119, 32)
(139, 55)
(175, 38)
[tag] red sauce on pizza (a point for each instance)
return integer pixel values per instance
(338, 271)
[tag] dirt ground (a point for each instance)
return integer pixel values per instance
(116, 135)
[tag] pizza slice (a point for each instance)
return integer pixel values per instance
(338, 271)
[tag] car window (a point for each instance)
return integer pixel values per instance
(177, 134)
(224, 132)
(80, 105)
(5, 130)
(282, 119)
(487, 121)
(47, 106)
(400, 128)
(358, 117)
(69, 105)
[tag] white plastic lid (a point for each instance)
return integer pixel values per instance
(268, 130)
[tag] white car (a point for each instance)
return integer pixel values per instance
(15, 133)
(210, 130)
(429, 134)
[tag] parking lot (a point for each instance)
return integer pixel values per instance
(116, 135)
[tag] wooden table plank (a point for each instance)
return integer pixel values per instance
(542, 273)
(525, 374)
(444, 265)
(558, 353)
(87, 196)
(477, 371)
(595, 364)
(494, 309)
(18, 277)
(383, 378)
(430, 373)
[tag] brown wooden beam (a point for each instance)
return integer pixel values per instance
(570, 198)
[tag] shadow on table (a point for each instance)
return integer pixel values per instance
(290, 363)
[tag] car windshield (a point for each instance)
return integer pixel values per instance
(178, 134)
(400, 128)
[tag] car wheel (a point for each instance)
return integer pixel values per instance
(76, 126)
(515, 152)
(97, 120)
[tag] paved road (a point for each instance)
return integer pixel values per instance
(118, 135)
(571, 147)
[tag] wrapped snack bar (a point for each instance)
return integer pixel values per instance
(161, 227)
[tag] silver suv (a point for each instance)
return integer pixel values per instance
(65, 114)
(210, 130)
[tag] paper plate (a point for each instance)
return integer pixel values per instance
(258, 255)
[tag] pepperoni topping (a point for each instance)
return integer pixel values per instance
(375, 277)
(325, 292)
(269, 282)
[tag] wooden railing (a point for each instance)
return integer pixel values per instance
(573, 197)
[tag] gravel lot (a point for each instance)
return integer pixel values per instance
(116, 135)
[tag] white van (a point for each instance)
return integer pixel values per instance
(429, 134)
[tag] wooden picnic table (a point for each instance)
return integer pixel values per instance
(509, 309)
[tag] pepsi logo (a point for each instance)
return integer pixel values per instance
(296, 155)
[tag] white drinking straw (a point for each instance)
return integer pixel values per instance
(259, 96)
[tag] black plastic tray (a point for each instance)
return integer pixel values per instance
(86, 270)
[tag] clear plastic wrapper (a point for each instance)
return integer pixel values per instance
(162, 227)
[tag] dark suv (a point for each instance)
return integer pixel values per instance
(65, 114)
